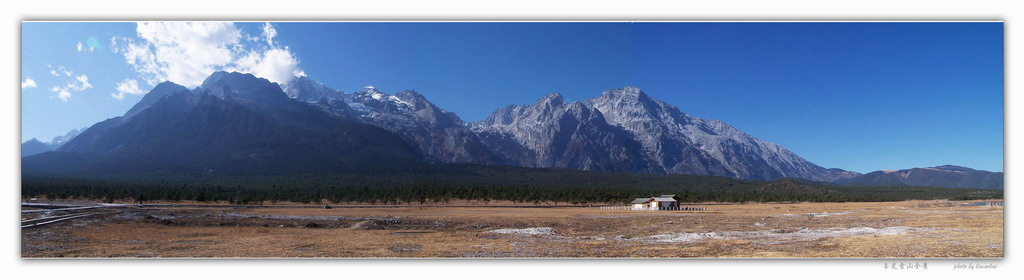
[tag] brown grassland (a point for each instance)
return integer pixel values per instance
(908, 229)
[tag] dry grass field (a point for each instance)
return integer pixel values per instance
(909, 229)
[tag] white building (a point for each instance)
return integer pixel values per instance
(641, 203)
(656, 203)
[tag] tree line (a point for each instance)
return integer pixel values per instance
(560, 187)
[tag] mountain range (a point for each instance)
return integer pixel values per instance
(34, 146)
(941, 176)
(240, 124)
(625, 130)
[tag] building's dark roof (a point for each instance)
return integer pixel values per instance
(663, 198)
(640, 200)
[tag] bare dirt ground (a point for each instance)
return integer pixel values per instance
(909, 229)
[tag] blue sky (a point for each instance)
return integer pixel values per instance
(857, 96)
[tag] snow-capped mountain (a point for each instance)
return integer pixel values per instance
(245, 124)
(553, 133)
(649, 136)
(58, 141)
(622, 130)
(306, 89)
(437, 134)
(680, 143)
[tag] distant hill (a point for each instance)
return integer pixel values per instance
(949, 176)
(58, 141)
(33, 147)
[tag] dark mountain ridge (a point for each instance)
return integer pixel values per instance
(949, 176)
(33, 147)
(235, 124)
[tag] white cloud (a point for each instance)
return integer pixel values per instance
(128, 86)
(276, 65)
(28, 83)
(62, 92)
(187, 52)
(83, 48)
(83, 83)
(269, 33)
(59, 71)
(273, 63)
(80, 83)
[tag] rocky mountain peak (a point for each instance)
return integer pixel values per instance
(306, 89)
(370, 90)
(437, 134)
(60, 140)
(159, 91)
(582, 111)
(368, 93)
(409, 95)
(626, 92)
(413, 98)
(240, 82)
(240, 87)
(502, 116)
(552, 99)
